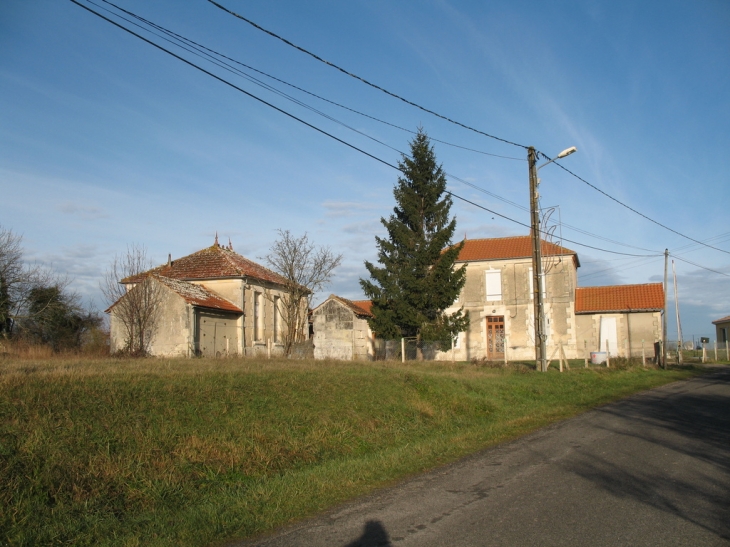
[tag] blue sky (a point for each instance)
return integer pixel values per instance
(106, 141)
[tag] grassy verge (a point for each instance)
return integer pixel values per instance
(195, 452)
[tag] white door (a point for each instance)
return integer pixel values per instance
(608, 334)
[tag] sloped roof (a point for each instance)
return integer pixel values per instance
(359, 307)
(365, 305)
(501, 248)
(722, 320)
(198, 295)
(619, 298)
(215, 262)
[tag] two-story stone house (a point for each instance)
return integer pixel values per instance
(498, 297)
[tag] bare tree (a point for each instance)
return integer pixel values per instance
(17, 281)
(134, 297)
(307, 269)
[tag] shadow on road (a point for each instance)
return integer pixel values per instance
(373, 535)
(691, 423)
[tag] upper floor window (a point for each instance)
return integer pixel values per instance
(493, 285)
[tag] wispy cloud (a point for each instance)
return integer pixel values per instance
(336, 209)
(85, 212)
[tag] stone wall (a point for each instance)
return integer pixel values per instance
(339, 333)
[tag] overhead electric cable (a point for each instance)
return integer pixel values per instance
(345, 107)
(273, 34)
(234, 86)
(270, 33)
(631, 208)
(260, 83)
(384, 162)
(699, 266)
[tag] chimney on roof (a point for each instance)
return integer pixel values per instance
(169, 260)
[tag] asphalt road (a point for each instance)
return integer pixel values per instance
(653, 469)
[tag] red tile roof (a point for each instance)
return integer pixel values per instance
(212, 263)
(365, 305)
(619, 298)
(509, 247)
(198, 295)
(722, 320)
(359, 307)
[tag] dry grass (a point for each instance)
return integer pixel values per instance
(178, 451)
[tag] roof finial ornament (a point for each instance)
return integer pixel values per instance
(215, 243)
(230, 245)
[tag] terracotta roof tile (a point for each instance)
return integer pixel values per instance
(359, 307)
(619, 298)
(509, 247)
(212, 263)
(722, 320)
(198, 295)
(365, 305)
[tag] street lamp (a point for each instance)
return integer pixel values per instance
(537, 276)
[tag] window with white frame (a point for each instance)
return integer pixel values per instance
(493, 285)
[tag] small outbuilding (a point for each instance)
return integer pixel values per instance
(722, 328)
(341, 329)
(623, 320)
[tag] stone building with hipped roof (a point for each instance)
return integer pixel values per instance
(214, 302)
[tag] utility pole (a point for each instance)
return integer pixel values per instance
(664, 321)
(679, 322)
(540, 357)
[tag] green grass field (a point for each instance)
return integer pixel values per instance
(198, 452)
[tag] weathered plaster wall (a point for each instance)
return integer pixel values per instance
(631, 329)
(340, 334)
(242, 293)
(517, 308)
(172, 335)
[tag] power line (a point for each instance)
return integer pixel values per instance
(235, 86)
(270, 33)
(260, 83)
(249, 67)
(256, 81)
(629, 207)
(380, 160)
(315, 56)
(699, 266)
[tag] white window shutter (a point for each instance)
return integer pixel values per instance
(493, 285)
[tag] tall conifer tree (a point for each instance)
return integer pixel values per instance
(416, 280)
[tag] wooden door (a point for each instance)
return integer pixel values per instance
(495, 337)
